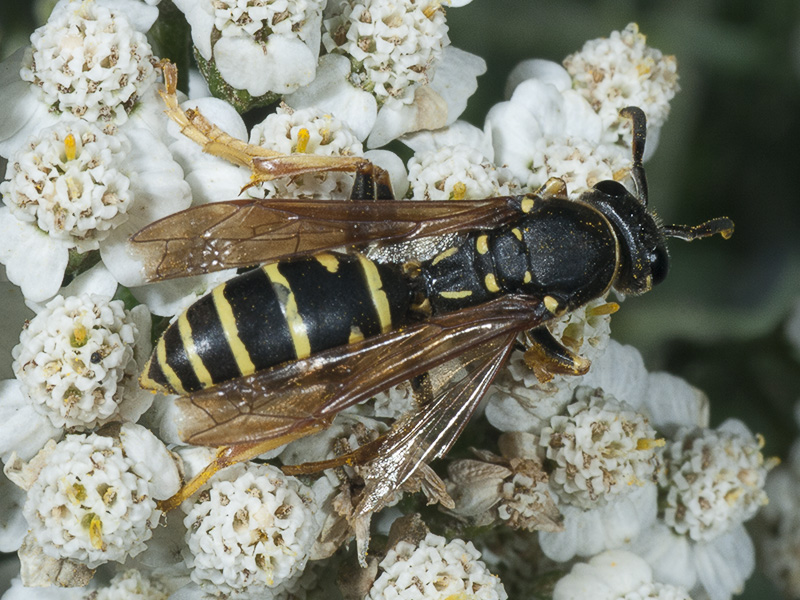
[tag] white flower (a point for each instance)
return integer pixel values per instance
(614, 575)
(549, 130)
(258, 46)
(77, 361)
(90, 60)
(250, 530)
(599, 449)
(389, 70)
(68, 183)
(311, 131)
(714, 482)
(13, 526)
(435, 569)
(604, 461)
(73, 188)
(93, 497)
(715, 479)
(619, 71)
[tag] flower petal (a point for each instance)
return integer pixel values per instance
(546, 71)
(285, 64)
(22, 113)
(331, 92)
(456, 79)
(22, 429)
(34, 261)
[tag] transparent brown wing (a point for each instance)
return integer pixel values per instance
(429, 432)
(292, 397)
(242, 233)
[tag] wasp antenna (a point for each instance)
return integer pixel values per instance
(639, 126)
(720, 225)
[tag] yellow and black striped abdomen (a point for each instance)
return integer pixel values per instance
(276, 313)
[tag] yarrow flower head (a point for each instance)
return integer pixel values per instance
(389, 68)
(92, 498)
(67, 181)
(306, 131)
(90, 62)
(74, 189)
(251, 530)
(435, 569)
(619, 71)
(546, 129)
(599, 449)
(77, 361)
(714, 480)
(394, 45)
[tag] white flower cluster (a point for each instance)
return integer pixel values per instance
(714, 478)
(454, 173)
(435, 569)
(75, 362)
(251, 530)
(68, 181)
(394, 44)
(89, 62)
(307, 131)
(600, 448)
(621, 71)
(93, 499)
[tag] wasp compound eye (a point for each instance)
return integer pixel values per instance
(612, 188)
(659, 263)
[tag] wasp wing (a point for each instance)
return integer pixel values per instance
(430, 431)
(243, 233)
(292, 397)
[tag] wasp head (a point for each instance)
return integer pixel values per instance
(643, 260)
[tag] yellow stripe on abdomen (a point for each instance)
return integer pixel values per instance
(225, 313)
(288, 302)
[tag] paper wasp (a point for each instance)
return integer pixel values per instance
(275, 353)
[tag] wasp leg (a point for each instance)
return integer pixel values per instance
(371, 183)
(555, 187)
(264, 164)
(546, 356)
(230, 455)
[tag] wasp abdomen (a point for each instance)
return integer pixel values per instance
(276, 313)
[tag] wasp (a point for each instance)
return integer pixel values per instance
(273, 354)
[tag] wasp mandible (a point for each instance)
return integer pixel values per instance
(274, 354)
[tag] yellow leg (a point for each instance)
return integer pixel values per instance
(230, 455)
(264, 164)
